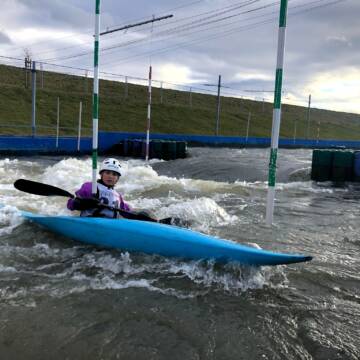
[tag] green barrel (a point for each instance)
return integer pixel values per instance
(116, 149)
(155, 150)
(127, 147)
(321, 165)
(169, 150)
(180, 149)
(143, 149)
(342, 169)
(136, 150)
(356, 166)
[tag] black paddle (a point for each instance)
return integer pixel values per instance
(36, 188)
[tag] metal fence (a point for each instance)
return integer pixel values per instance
(123, 101)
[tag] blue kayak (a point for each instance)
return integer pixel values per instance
(155, 238)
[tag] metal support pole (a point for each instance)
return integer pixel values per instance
(161, 92)
(126, 90)
(318, 132)
(57, 122)
(33, 102)
(42, 75)
(79, 128)
(276, 113)
(308, 118)
(190, 97)
(27, 68)
(86, 82)
(218, 108)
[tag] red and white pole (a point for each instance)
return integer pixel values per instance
(148, 117)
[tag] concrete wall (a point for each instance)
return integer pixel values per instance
(28, 145)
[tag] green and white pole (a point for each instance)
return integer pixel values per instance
(276, 114)
(96, 98)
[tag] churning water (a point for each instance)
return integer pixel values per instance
(60, 299)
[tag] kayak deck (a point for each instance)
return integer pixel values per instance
(155, 238)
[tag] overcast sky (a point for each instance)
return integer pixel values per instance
(204, 38)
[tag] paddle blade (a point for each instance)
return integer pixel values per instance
(36, 188)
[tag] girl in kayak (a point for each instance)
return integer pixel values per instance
(106, 198)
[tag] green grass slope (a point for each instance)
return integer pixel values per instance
(175, 114)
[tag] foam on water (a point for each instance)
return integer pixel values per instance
(157, 274)
(11, 170)
(189, 199)
(136, 175)
(87, 269)
(137, 178)
(201, 277)
(297, 311)
(10, 218)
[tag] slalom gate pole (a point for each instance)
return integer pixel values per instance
(276, 114)
(148, 117)
(95, 98)
(57, 122)
(79, 126)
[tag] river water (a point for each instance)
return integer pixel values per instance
(61, 299)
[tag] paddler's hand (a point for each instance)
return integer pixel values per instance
(86, 203)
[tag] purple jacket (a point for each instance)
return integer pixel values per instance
(86, 192)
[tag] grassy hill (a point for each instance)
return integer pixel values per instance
(175, 114)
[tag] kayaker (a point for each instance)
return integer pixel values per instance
(106, 198)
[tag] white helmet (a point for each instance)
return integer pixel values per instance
(110, 164)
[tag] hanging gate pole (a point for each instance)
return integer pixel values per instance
(308, 118)
(218, 108)
(148, 118)
(276, 114)
(79, 126)
(57, 122)
(95, 98)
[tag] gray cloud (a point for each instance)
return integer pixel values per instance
(4, 39)
(55, 13)
(321, 40)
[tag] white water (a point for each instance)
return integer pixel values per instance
(120, 303)
(143, 188)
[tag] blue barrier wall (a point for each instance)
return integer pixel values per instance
(28, 145)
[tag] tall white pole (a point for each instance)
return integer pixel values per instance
(248, 126)
(276, 114)
(148, 117)
(57, 122)
(218, 108)
(79, 128)
(308, 117)
(95, 98)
